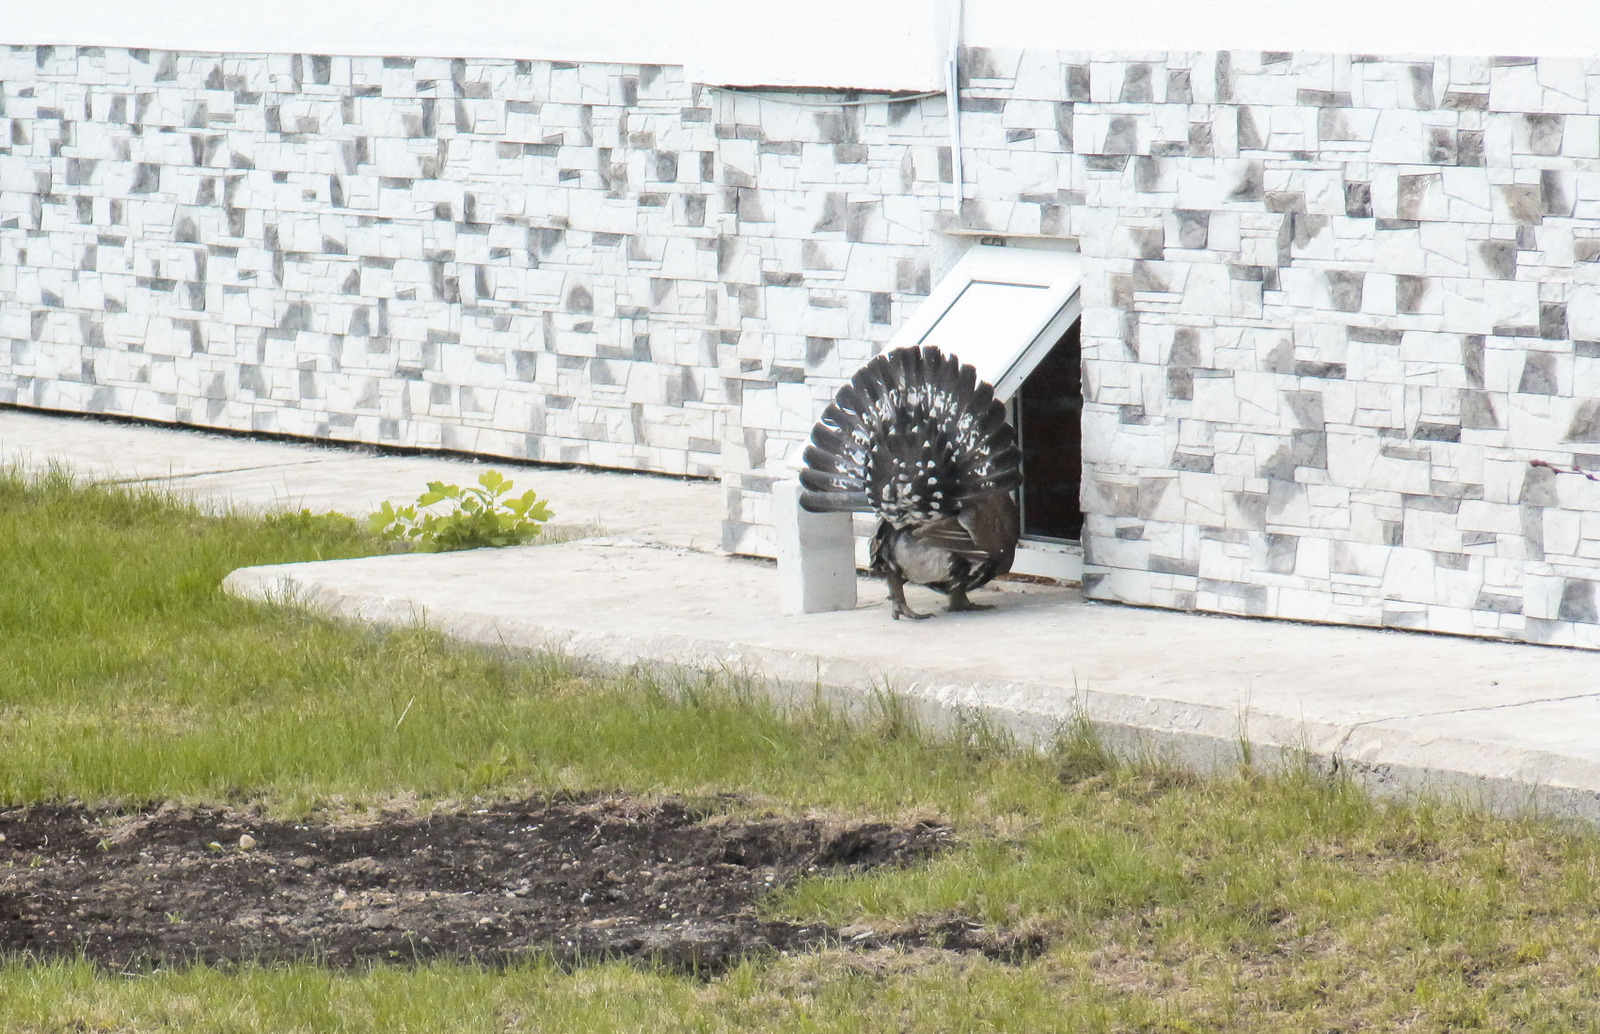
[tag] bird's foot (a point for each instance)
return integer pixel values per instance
(959, 602)
(897, 597)
(902, 610)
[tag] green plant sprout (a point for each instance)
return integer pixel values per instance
(480, 517)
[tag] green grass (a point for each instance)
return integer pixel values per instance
(134, 678)
(1255, 901)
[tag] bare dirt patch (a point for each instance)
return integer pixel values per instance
(578, 878)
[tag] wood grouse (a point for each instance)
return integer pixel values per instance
(916, 438)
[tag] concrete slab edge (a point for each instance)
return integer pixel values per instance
(1198, 737)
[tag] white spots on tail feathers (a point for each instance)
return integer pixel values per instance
(904, 432)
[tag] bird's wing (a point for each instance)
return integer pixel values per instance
(993, 522)
(948, 533)
(985, 528)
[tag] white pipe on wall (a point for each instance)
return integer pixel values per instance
(952, 91)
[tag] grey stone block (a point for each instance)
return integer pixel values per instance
(1545, 133)
(1174, 566)
(1358, 200)
(1555, 198)
(1193, 228)
(1413, 194)
(1077, 82)
(1224, 77)
(146, 178)
(1249, 137)
(1553, 320)
(1578, 601)
(1306, 228)
(1477, 410)
(1525, 202)
(1136, 84)
(1538, 374)
(1472, 346)
(1431, 432)
(1122, 137)
(1345, 289)
(1500, 257)
(1410, 292)
(1282, 552)
(1585, 427)
(1180, 90)
(1421, 77)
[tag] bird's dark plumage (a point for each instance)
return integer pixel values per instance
(916, 438)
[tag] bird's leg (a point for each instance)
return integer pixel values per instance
(959, 602)
(897, 597)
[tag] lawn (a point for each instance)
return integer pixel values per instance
(1254, 901)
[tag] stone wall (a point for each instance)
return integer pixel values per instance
(836, 206)
(1337, 305)
(1333, 305)
(509, 257)
(848, 221)
(576, 263)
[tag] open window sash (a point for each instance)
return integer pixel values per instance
(1000, 309)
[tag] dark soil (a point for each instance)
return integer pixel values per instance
(578, 878)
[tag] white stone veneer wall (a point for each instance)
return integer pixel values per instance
(1333, 306)
(471, 255)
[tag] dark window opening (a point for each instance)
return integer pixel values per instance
(1047, 415)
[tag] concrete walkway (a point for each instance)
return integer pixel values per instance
(1513, 726)
(226, 470)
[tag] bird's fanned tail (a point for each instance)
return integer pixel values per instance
(914, 436)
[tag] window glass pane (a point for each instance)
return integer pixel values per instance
(990, 324)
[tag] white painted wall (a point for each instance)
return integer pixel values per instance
(871, 44)
(1544, 28)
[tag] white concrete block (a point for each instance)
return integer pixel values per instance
(816, 555)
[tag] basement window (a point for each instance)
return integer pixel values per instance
(1013, 314)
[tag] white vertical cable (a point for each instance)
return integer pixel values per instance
(953, 92)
